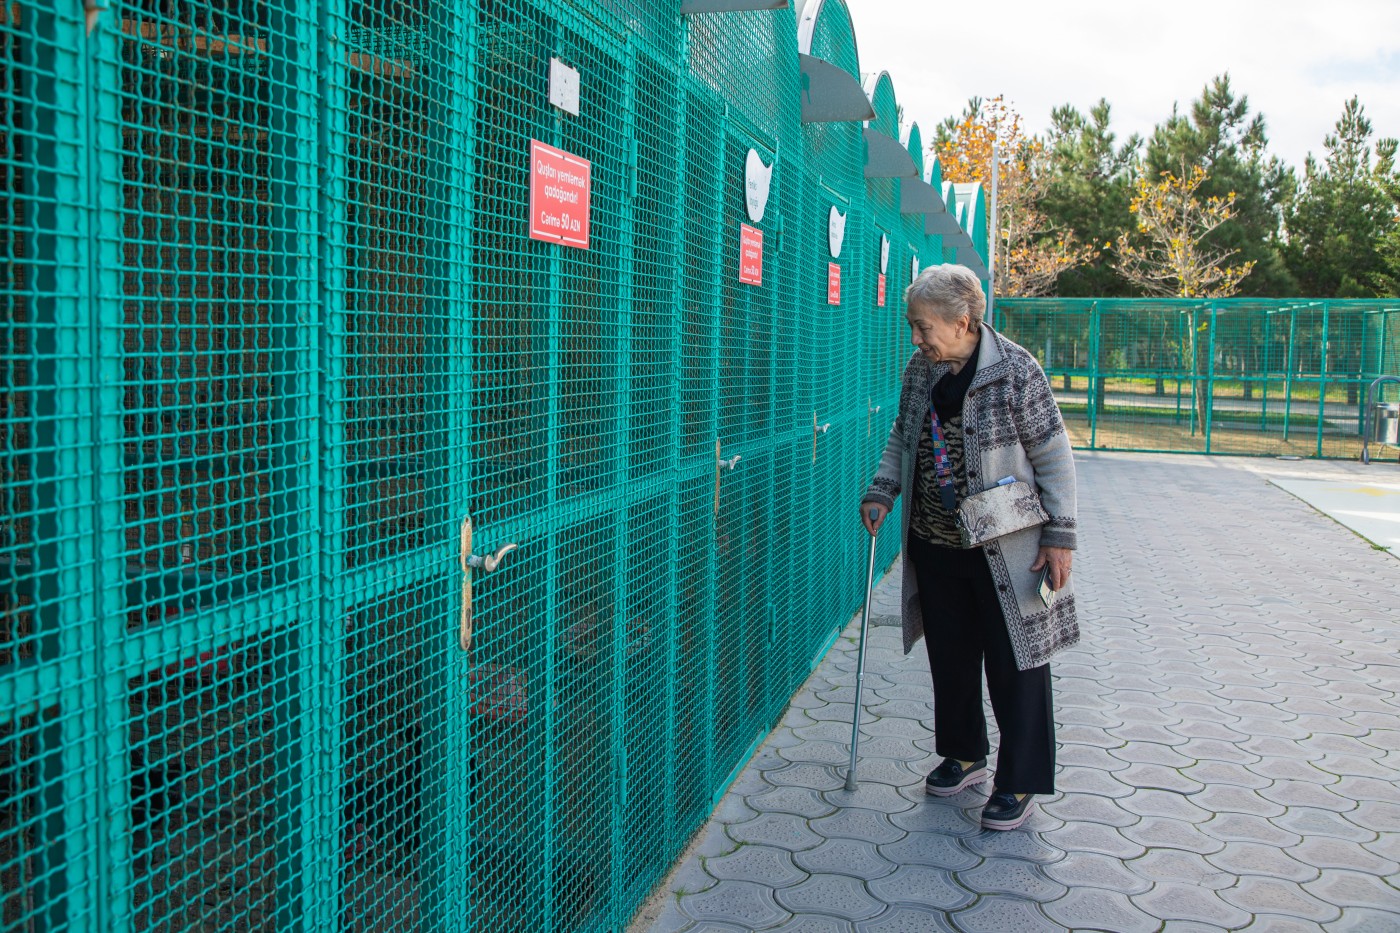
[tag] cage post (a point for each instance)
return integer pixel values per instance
(1210, 377)
(1092, 395)
(1288, 376)
(1268, 353)
(1322, 373)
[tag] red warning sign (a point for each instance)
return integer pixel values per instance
(560, 186)
(833, 284)
(880, 291)
(750, 255)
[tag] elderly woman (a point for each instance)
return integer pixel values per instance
(995, 418)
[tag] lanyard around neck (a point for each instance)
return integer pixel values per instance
(942, 463)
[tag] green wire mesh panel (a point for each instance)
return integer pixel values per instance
(48, 847)
(285, 331)
(836, 167)
(394, 405)
(1236, 376)
(206, 207)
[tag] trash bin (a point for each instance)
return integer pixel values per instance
(1385, 423)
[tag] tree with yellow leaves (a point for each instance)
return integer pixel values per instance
(1030, 255)
(1170, 256)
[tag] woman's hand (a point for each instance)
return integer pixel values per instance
(1059, 559)
(878, 510)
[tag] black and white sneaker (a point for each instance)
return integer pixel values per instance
(950, 777)
(1004, 811)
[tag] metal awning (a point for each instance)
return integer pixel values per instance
(830, 94)
(967, 256)
(943, 224)
(917, 196)
(886, 158)
(730, 6)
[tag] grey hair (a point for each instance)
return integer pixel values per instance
(948, 291)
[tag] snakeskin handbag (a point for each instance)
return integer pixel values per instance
(999, 511)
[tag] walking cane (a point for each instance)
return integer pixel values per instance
(860, 658)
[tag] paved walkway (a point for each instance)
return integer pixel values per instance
(1229, 744)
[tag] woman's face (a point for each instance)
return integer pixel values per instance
(937, 338)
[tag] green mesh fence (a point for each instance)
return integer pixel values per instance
(1236, 376)
(275, 325)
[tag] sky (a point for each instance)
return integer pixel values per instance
(1298, 62)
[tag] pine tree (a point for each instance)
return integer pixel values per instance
(1222, 137)
(1089, 190)
(1339, 221)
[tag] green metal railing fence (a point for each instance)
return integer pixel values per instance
(1233, 376)
(275, 325)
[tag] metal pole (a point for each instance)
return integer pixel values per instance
(860, 657)
(1288, 376)
(992, 242)
(1210, 379)
(1322, 374)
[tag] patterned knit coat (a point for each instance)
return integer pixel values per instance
(1011, 427)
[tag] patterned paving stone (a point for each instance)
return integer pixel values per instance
(1307, 821)
(692, 878)
(800, 801)
(943, 817)
(921, 886)
(1348, 889)
(1251, 858)
(1277, 923)
(812, 923)
(834, 895)
(747, 905)
(1275, 896)
(1179, 867)
(1163, 803)
(852, 857)
(1095, 838)
(1025, 845)
(1381, 817)
(1241, 827)
(1170, 902)
(813, 776)
(1098, 909)
(1363, 920)
(1085, 780)
(996, 913)
(782, 830)
(927, 849)
(1211, 773)
(871, 795)
(1084, 869)
(1227, 798)
(869, 826)
(1324, 852)
(1156, 832)
(1089, 808)
(1013, 878)
(907, 920)
(763, 864)
(1156, 777)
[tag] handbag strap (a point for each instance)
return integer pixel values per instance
(942, 463)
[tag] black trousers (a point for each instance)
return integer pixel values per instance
(963, 627)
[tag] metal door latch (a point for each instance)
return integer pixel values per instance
(486, 563)
(720, 465)
(871, 410)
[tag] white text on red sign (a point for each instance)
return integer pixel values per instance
(750, 255)
(560, 195)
